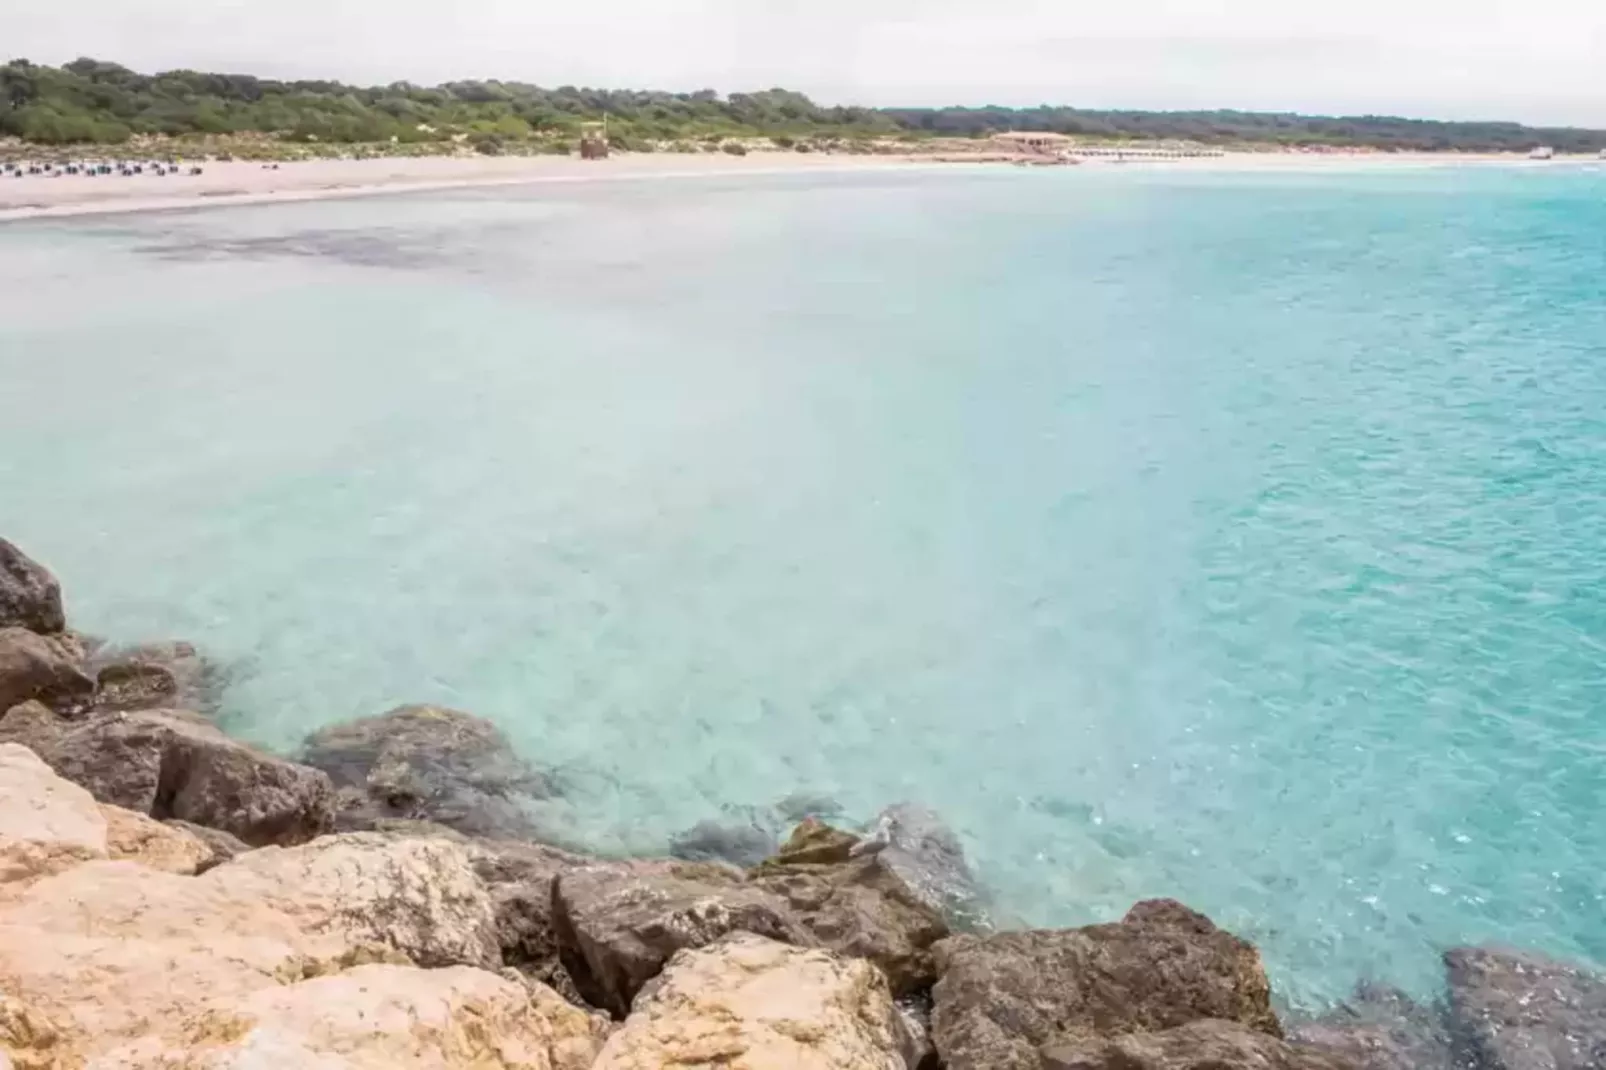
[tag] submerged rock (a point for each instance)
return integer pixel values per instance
(173, 764)
(163, 675)
(739, 843)
(748, 1003)
(1380, 1028)
(428, 763)
(30, 596)
(1202, 1045)
(36, 668)
(1003, 997)
(919, 847)
(617, 924)
(1515, 1010)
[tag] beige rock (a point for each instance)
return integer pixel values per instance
(136, 838)
(379, 1018)
(46, 823)
(749, 1003)
(112, 951)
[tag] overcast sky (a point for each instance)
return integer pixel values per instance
(1533, 60)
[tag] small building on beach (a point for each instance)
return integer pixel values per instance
(1033, 141)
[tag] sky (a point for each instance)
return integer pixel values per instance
(1537, 61)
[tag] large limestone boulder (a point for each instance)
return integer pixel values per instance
(428, 763)
(30, 596)
(377, 1017)
(1380, 1028)
(46, 823)
(1003, 997)
(617, 924)
(35, 667)
(1521, 1011)
(111, 952)
(856, 906)
(1202, 1045)
(748, 1003)
(173, 764)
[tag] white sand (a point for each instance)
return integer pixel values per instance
(239, 182)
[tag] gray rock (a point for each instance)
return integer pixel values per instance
(429, 763)
(617, 924)
(739, 843)
(154, 676)
(855, 906)
(918, 1052)
(915, 844)
(1002, 997)
(1202, 1045)
(173, 764)
(1513, 1010)
(30, 596)
(34, 667)
(1380, 1028)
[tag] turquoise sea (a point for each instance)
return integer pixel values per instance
(1237, 537)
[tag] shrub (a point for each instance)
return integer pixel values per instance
(734, 148)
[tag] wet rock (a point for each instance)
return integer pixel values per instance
(1513, 1010)
(1380, 1028)
(919, 1053)
(617, 924)
(855, 906)
(391, 1016)
(428, 763)
(30, 596)
(35, 668)
(920, 848)
(1203, 1045)
(1002, 997)
(220, 846)
(748, 1003)
(165, 675)
(739, 843)
(173, 764)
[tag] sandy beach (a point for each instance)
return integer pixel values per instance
(244, 182)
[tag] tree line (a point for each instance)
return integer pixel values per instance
(97, 102)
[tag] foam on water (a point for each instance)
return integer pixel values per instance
(1228, 536)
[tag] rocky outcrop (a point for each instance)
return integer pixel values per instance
(428, 763)
(30, 596)
(914, 843)
(617, 924)
(748, 1003)
(37, 668)
(173, 764)
(1380, 1028)
(855, 906)
(220, 846)
(1513, 1010)
(155, 676)
(1202, 1045)
(111, 953)
(378, 1017)
(1003, 997)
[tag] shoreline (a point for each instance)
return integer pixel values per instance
(38, 197)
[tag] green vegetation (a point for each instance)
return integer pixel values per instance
(93, 102)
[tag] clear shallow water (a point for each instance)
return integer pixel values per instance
(1234, 537)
